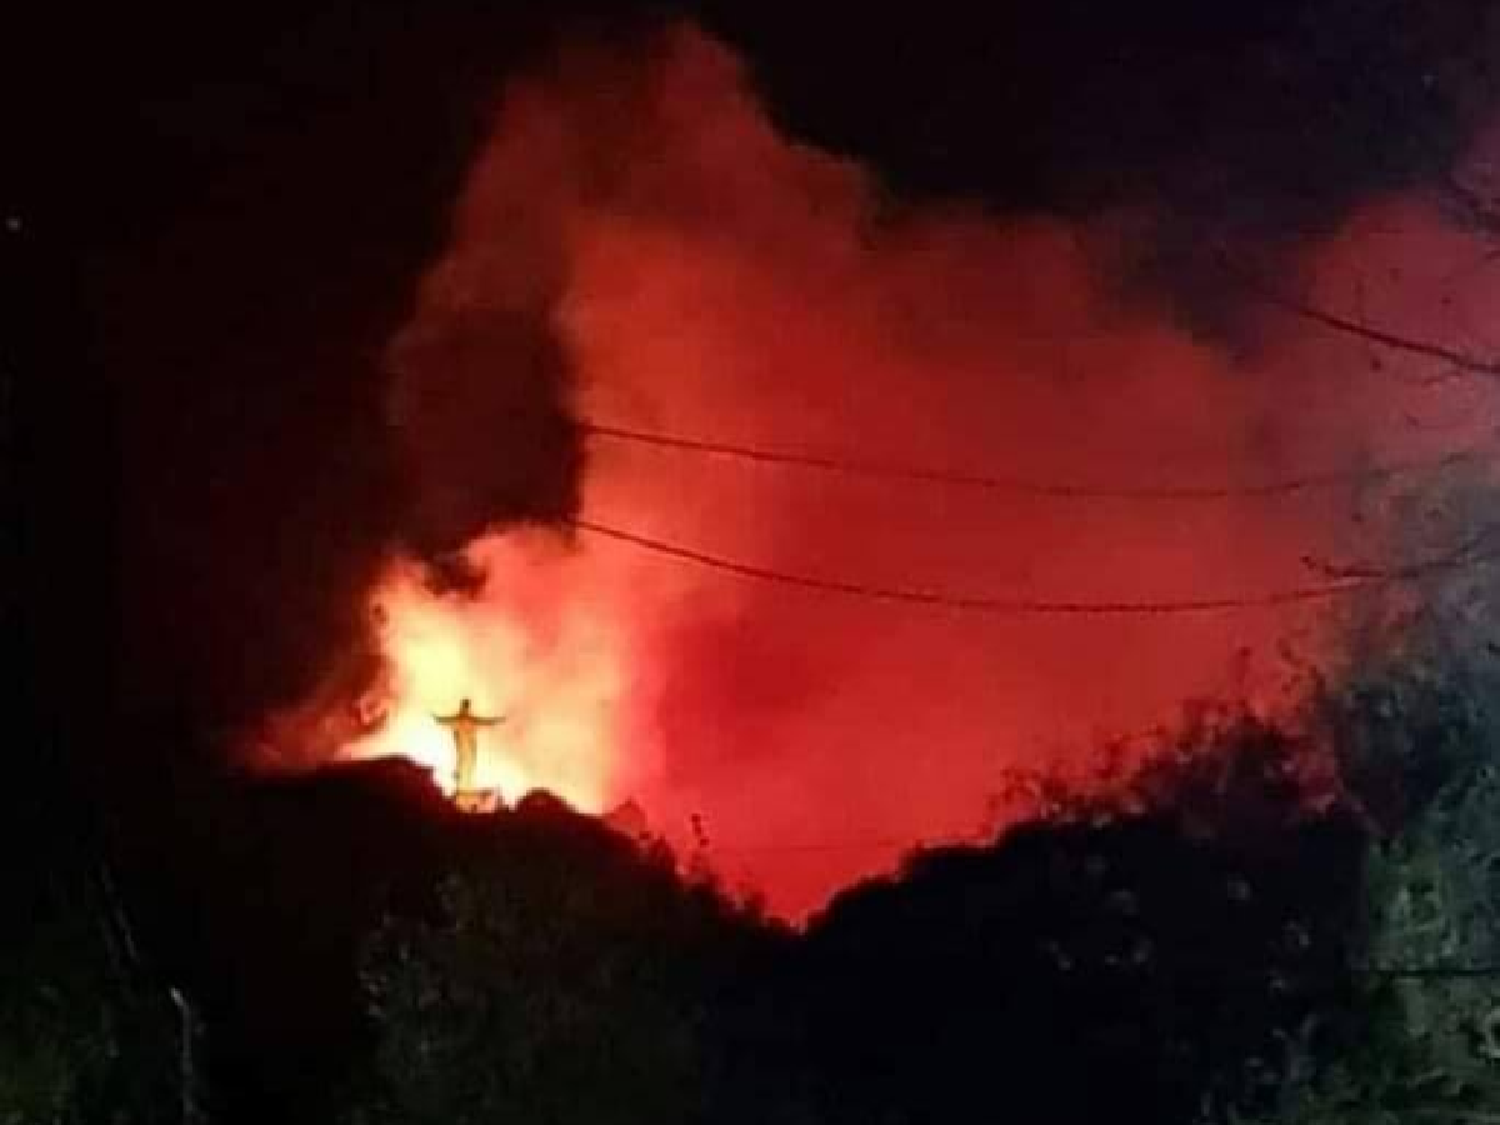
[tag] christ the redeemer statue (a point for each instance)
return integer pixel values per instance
(465, 727)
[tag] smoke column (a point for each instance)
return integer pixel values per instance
(638, 227)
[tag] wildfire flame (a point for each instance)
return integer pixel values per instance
(549, 667)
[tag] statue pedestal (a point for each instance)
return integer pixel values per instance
(478, 800)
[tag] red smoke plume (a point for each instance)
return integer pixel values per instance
(637, 222)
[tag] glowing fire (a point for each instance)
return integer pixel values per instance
(515, 649)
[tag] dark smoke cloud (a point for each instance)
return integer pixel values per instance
(1259, 123)
(250, 197)
(1285, 112)
(479, 453)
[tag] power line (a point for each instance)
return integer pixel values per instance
(1032, 606)
(1348, 326)
(858, 467)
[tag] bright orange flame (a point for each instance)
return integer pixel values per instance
(548, 664)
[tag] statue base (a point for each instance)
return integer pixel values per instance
(478, 800)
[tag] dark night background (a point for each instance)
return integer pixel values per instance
(221, 213)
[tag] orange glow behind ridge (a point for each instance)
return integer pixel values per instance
(555, 682)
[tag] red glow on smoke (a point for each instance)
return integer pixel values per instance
(704, 275)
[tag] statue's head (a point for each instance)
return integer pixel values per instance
(463, 707)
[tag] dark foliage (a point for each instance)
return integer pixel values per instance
(1139, 968)
(1074, 973)
(570, 978)
(253, 897)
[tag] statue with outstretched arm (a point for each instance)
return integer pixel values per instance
(465, 726)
